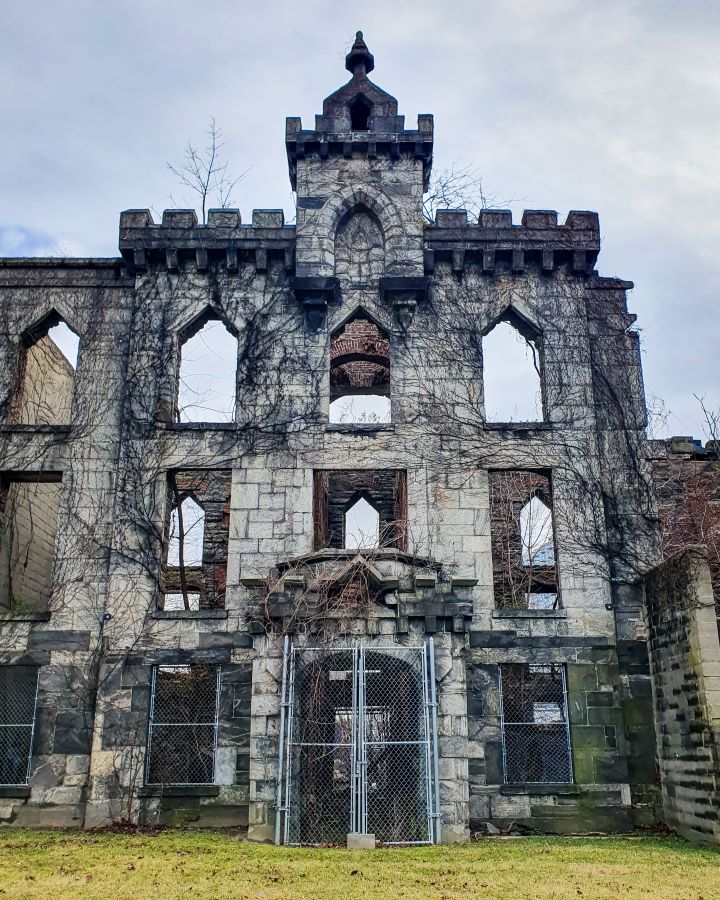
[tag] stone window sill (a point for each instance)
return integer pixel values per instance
(197, 426)
(359, 427)
(42, 428)
(189, 614)
(529, 614)
(518, 426)
(24, 617)
(543, 790)
(179, 790)
(20, 791)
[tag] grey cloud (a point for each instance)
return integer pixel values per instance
(613, 106)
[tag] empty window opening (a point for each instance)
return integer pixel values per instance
(522, 540)
(175, 601)
(182, 736)
(29, 509)
(207, 384)
(360, 109)
(198, 521)
(511, 374)
(359, 249)
(536, 534)
(187, 532)
(535, 728)
(46, 377)
(360, 509)
(360, 373)
(365, 409)
(18, 700)
(362, 526)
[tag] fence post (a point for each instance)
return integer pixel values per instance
(281, 742)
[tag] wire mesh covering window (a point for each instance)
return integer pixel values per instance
(535, 729)
(183, 725)
(18, 692)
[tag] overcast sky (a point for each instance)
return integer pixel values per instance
(561, 104)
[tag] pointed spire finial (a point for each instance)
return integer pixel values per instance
(359, 60)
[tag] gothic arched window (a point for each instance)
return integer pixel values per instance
(47, 374)
(360, 373)
(208, 372)
(512, 385)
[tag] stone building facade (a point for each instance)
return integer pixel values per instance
(161, 679)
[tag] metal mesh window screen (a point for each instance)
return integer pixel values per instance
(18, 693)
(182, 735)
(535, 728)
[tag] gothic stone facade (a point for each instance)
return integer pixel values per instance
(361, 295)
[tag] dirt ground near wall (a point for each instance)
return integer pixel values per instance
(64, 864)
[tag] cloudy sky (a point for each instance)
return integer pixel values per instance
(611, 105)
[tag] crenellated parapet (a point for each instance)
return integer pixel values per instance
(333, 137)
(494, 240)
(179, 239)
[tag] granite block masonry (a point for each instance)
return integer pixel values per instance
(164, 577)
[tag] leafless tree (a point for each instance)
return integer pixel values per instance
(457, 187)
(204, 172)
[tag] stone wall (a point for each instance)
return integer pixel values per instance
(685, 666)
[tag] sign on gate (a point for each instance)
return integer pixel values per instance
(358, 745)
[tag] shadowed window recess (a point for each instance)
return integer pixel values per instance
(361, 509)
(523, 539)
(182, 735)
(198, 522)
(535, 729)
(46, 374)
(29, 504)
(512, 380)
(207, 374)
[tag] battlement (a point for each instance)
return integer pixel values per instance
(334, 138)
(537, 238)
(180, 235)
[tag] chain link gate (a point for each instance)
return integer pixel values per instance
(358, 745)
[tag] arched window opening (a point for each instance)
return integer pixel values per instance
(523, 540)
(187, 534)
(511, 374)
(360, 373)
(359, 249)
(197, 524)
(207, 383)
(360, 108)
(47, 374)
(362, 526)
(536, 534)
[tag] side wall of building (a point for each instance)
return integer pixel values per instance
(685, 666)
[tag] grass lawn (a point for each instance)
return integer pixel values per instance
(205, 864)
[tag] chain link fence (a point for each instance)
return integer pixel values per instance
(182, 733)
(18, 700)
(359, 746)
(535, 728)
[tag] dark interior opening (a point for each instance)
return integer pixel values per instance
(360, 109)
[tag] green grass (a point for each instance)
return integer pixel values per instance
(205, 864)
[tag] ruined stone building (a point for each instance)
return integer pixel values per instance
(356, 596)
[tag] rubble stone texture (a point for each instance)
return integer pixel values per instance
(416, 298)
